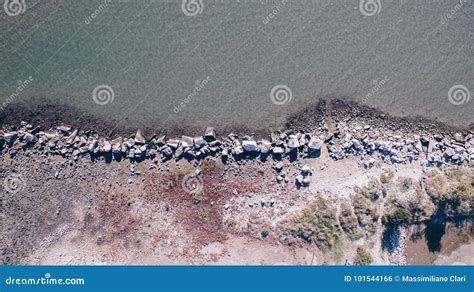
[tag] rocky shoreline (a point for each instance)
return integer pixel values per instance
(346, 132)
(368, 173)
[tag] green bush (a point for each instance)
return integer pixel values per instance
(363, 257)
(401, 217)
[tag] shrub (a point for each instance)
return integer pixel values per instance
(400, 217)
(348, 222)
(363, 257)
(316, 224)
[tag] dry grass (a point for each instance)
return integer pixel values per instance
(316, 224)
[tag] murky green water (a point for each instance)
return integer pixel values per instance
(218, 67)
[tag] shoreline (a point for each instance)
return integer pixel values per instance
(345, 128)
(314, 115)
(217, 192)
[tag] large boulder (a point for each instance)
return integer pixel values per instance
(265, 146)
(210, 133)
(139, 137)
(249, 145)
(315, 144)
(187, 141)
(293, 141)
(173, 143)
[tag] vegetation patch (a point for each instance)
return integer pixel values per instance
(316, 224)
(363, 257)
(348, 222)
(399, 217)
(454, 195)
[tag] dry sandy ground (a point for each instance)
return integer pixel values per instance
(93, 212)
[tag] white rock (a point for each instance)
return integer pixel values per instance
(249, 145)
(315, 143)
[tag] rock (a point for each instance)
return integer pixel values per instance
(306, 181)
(299, 179)
(356, 144)
(117, 142)
(305, 170)
(178, 152)
(449, 152)
(210, 134)
(265, 146)
(215, 143)
(199, 142)
(458, 137)
(249, 145)
(173, 143)
(161, 141)
(166, 151)
(293, 141)
(64, 128)
(238, 150)
(187, 141)
(139, 137)
(369, 163)
(130, 143)
(93, 145)
(225, 153)
(70, 139)
(84, 149)
(107, 147)
(278, 166)
(315, 144)
(278, 150)
(29, 138)
(51, 134)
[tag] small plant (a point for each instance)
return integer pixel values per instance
(348, 222)
(203, 216)
(386, 176)
(363, 257)
(406, 183)
(401, 217)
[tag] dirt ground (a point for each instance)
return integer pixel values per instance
(94, 212)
